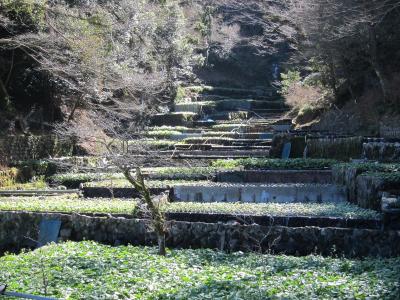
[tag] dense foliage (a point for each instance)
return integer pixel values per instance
(87, 270)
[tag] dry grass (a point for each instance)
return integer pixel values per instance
(300, 95)
(307, 102)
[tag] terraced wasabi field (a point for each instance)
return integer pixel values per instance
(75, 204)
(88, 270)
(217, 189)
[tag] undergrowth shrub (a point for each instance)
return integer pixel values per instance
(180, 96)
(30, 13)
(391, 180)
(307, 98)
(278, 164)
(368, 167)
(35, 168)
(8, 176)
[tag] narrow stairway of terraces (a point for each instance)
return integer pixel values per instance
(218, 122)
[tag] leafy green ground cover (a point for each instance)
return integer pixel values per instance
(278, 164)
(369, 167)
(343, 210)
(220, 134)
(123, 183)
(87, 270)
(162, 134)
(70, 203)
(389, 173)
(38, 184)
(391, 179)
(73, 179)
(229, 127)
(157, 144)
(160, 173)
(207, 140)
(173, 128)
(190, 171)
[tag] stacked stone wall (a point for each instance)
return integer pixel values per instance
(20, 229)
(31, 147)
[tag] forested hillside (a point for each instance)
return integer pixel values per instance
(332, 60)
(63, 57)
(346, 71)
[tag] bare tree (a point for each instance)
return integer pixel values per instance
(97, 53)
(344, 35)
(117, 61)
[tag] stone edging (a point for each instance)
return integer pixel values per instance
(17, 229)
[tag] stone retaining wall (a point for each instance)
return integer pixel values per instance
(362, 189)
(369, 191)
(287, 221)
(382, 151)
(119, 192)
(276, 176)
(29, 147)
(260, 193)
(390, 132)
(298, 143)
(18, 229)
(344, 175)
(335, 148)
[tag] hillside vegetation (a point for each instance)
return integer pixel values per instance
(332, 60)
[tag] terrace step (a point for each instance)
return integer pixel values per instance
(262, 146)
(243, 128)
(240, 135)
(217, 154)
(268, 220)
(207, 107)
(273, 118)
(226, 134)
(176, 137)
(214, 147)
(229, 141)
(214, 97)
(260, 193)
(275, 176)
(174, 119)
(230, 91)
(245, 114)
(181, 129)
(252, 127)
(229, 115)
(36, 192)
(117, 192)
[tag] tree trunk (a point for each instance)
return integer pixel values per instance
(374, 60)
(161, 244)
(4, 96)
(157, 217)
(74, 107)
(383, 82)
